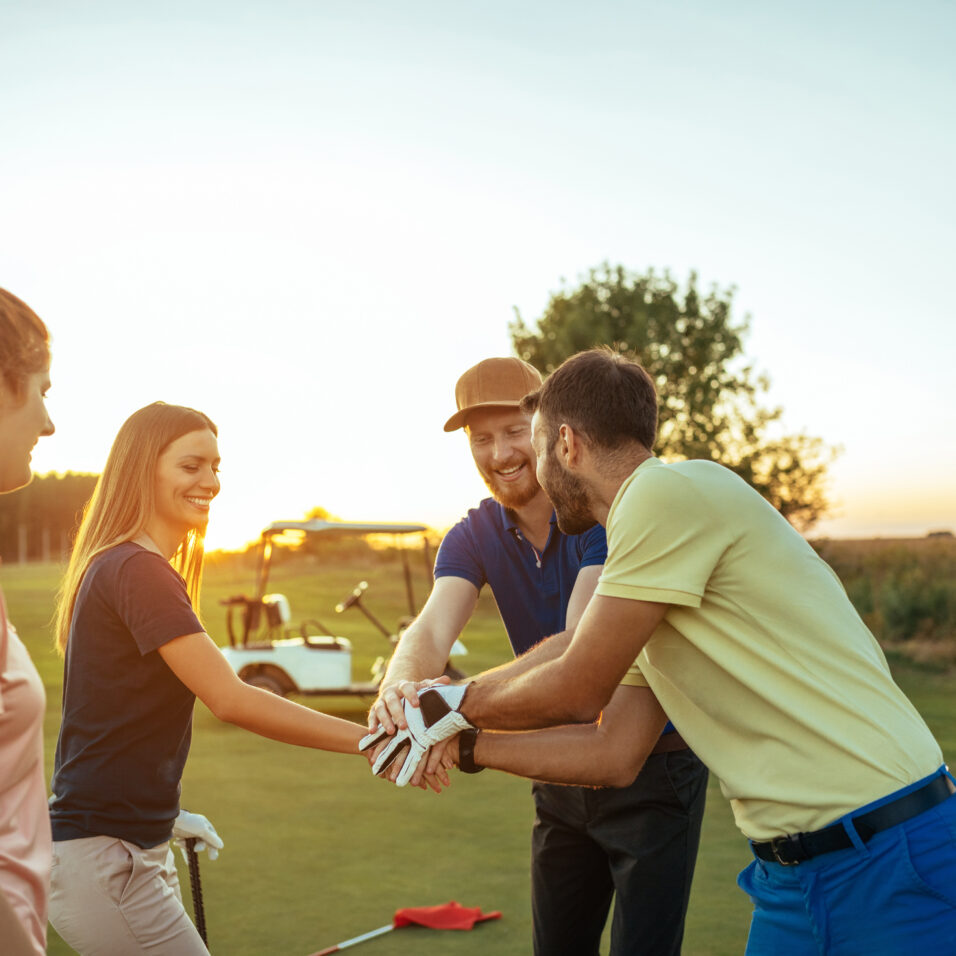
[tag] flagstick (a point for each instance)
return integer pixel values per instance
(381, 931)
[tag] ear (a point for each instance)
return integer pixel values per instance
(570, 446)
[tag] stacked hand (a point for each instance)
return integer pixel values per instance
(435, 719)
(196, 825)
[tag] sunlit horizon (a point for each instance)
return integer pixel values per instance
(314, 224)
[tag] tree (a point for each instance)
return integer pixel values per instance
(708, 393)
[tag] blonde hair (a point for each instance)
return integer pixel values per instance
(123, 502)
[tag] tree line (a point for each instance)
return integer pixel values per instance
(38, 522)
(689, 342)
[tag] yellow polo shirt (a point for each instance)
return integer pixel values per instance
(761, 661)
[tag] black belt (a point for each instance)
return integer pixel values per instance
(670, 741)
(797, 847)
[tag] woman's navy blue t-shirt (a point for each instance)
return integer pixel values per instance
(127, 718)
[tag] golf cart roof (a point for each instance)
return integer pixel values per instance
(320, 526)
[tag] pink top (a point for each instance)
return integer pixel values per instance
(26, 846)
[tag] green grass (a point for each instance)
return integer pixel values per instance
(316, 851)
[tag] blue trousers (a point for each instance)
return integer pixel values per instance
(892, 896)
(638, 842)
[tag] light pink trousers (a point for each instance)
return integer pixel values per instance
(111, 898)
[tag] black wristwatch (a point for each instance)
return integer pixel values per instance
(466, 751)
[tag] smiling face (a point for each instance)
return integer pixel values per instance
(500, 440)
(23, 420)
(185, 482)
(568, 493)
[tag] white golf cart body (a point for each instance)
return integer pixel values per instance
(262, 649)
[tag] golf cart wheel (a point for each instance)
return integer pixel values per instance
(267, 682)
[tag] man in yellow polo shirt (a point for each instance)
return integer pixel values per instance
(713, 605)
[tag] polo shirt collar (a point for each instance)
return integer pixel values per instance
(509, 523)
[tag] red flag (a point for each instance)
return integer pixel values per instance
(446, 916)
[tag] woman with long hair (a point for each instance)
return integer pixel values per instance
(137, 657)
(24, 822)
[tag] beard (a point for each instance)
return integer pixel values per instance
(569, 495)
(512, 496)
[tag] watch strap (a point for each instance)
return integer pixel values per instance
(466, 751)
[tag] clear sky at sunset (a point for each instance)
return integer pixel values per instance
(308, 218)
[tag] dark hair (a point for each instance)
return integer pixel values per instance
(606, 397)
(24, 341)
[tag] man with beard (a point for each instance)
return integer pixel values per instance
(711, 605)
(639, 841)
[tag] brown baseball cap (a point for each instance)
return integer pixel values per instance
(495, 382)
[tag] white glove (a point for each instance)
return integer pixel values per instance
(196, 825)
(439, 703)
(435, 719)
(410, 743)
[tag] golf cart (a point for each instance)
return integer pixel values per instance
(265, 650)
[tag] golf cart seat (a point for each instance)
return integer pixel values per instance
(272, 609)
(278, 612)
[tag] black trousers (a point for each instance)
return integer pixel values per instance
(639, 842)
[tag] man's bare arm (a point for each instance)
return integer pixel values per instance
(554, 646)
(545, 650)
(581, 594)
(574, 687)
(609, 753)
(424, 648)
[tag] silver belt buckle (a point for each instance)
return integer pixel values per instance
(774, 848)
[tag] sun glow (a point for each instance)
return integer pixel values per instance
(315, 270)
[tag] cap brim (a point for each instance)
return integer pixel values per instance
(458, 419)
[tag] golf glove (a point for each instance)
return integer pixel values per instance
(439, 704)
(196, 825)
(435, 719)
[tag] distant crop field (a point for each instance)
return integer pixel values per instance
(905, 591)
(316, 851)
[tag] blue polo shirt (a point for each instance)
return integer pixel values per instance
(531, 588)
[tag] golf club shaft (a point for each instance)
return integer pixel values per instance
(195, 885)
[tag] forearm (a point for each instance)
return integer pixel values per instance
(418, 656)
(198, 663)
(279, 719)
(549, 649)
(609, 752)
(424, 648)
(552, 647)
(529, 699)
(574, 687)
(570, 755)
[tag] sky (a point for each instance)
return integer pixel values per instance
(308, 219)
